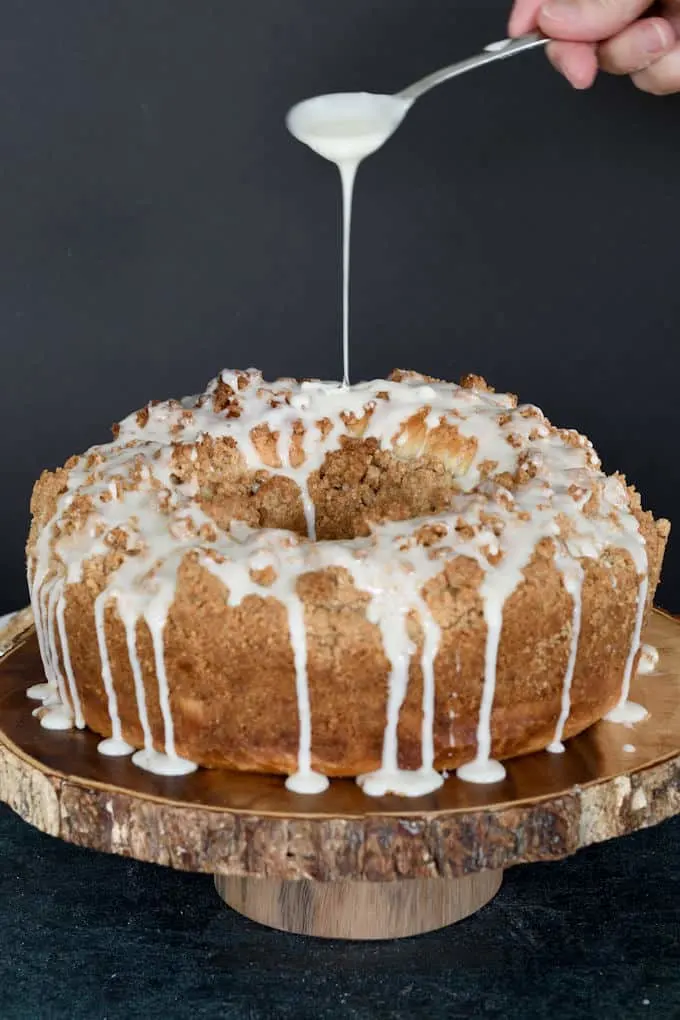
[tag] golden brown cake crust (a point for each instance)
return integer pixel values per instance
(231, 668)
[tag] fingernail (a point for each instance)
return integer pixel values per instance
(512, 29)
(654, 38)
(561, 10)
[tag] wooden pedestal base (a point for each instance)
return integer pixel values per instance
(340, 864)
(359, 910)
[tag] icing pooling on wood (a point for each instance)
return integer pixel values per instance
(649, 659)
(135, 491)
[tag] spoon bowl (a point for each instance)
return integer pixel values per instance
(347, 125)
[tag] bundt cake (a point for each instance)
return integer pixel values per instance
(383, 581)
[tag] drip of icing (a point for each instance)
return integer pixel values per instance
(348, 171)
(63, 712)
(572, 578)
(56, 718)
(629, 711)
(345, 128)
(300, 475)
(389, 778)
(237, 577)
(37, 572)
(39, 692)
(398, 649)
(36, 605)
(42, 617)
(483, 768)
(174, 766)
(162, 764)
(310, 782)
(431, 642)
(161, 520)
(129, 619)
(629, 748)
(51, 701)
(649, 660)
(115, 745)
(495, 589)
(305, 780)
(66, 656)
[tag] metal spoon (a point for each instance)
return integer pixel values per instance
(352, 125)
(495, 51)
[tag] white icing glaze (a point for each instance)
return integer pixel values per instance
(114, 747)
(155, 617)
(38, 692)
(629, 748)
(56, 718)
(497, 47)
(345, 128)
(431, 642)
(116, 735)
(649, 660)
(129, 619)
(572, 578)
(138, 489)
(162, 764)
(66, 656)
(626, 711)
(305, 780)
(348, 172)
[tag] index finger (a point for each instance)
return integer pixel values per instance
(524, 16)
(588, 20)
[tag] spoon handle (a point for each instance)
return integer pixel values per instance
(498, 51)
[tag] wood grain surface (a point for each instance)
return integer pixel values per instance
(359, 910)
(245, 825)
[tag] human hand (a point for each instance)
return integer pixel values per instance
(614, 35)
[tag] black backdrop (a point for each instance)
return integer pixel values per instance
(158, 224)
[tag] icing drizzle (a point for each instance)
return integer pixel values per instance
(141, 497)
(649, 660)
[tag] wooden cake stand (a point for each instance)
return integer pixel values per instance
(341, 864)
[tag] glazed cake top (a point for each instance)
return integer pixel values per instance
(163, 490)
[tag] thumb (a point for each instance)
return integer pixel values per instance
(589, 20)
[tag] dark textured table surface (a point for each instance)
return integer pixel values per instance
(89, 937)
